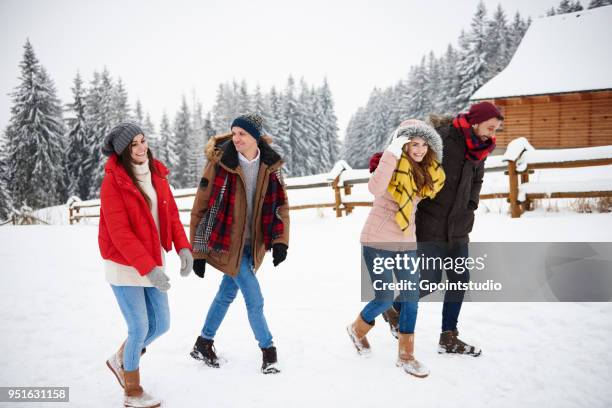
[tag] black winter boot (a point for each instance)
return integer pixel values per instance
(204, 350)
(450, 343)
(270, 361)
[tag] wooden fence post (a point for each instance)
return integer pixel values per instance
(515, 209)
(525, 205)
(338, 198)
(347, 191)
(70, 215)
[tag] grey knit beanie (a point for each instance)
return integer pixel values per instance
(120, 137)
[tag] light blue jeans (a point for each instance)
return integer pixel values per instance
(147, 315)
(248, 284)
(383, 299)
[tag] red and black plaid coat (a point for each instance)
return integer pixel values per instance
(221, 152)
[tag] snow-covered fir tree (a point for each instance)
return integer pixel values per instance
(120, 104)
(166, 145)
(473, 57)
(6, 200)
(274, 120)
(330, 151)
(497, 47)
(99, 116)
(34, 137)
(289, 127)
(599, 3)
(182, 130)
(77, 174)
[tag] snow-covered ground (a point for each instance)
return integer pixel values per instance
(60, 321)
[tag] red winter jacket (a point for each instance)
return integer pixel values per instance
(127, 232)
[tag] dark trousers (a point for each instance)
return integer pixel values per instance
(431, 271)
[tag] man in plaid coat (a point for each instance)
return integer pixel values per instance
(239, 213)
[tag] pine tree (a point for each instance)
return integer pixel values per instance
(567, 6)
(6, 200)
(35, 137)
(243, 104)
(288, 128)
(472, 62)
(329, 128)
(166, 146)
(599, 3)
(99, 115)
(139, 117)
(222, 110)
(148, 127)
(120, 105)
(77, 174)
(273, 124)
(497, 48)
(449, 82)
(198, 141)
(517, 32)
(420, 103)
(183, 137)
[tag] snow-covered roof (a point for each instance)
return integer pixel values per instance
(563, 53)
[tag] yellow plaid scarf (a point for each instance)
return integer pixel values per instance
(402, 188)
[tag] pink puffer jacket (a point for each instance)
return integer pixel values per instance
(381, 226)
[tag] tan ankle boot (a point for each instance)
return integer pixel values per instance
(405, 357)
(357, 332)
(135, 397)
(115, 364)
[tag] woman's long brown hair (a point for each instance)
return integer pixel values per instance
(419, 169)
(126, 162)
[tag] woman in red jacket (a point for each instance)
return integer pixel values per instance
(138, 221)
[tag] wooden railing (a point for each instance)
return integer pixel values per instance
(515, 164)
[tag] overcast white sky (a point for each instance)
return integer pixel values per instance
(164, 49)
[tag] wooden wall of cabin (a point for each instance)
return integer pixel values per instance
(558, 121)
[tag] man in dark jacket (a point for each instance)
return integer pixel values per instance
(443, 224)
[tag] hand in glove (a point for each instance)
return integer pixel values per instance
(186, 261)
(395, 148)
(199, 267)
(279, 253)
(159, 279)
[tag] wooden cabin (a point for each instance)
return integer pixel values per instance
(557, 89)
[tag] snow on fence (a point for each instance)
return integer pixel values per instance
(523, 160)
(345, 188)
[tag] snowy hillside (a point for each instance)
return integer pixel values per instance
(60, 321)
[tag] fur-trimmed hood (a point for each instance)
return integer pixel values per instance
(438, 121)
(417, 128)
(220, 149)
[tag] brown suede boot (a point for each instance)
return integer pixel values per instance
(357, 332)
(391, 316)
(135, 397)
(452, 344)
(405, 357)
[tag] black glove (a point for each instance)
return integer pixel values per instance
(472, 206)
(199, 267)
(279, 253)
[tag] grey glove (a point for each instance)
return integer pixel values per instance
(186, 261)
(159, 279)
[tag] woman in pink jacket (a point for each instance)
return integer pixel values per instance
(408, 170)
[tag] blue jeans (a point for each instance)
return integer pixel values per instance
(383, 300)
(147, 315)
(453, 299)
(248, 284)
